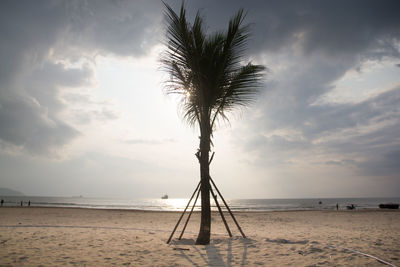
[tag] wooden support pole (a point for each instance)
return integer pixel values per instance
(190, 214)
(220, 212)
(227, 207)
(183, 213)
(212, 156)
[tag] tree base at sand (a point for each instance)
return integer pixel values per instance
(215, 197)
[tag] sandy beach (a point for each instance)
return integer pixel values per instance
(31, 236)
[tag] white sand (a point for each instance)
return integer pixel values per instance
(87, 237)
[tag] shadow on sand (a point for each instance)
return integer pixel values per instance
(218, 253)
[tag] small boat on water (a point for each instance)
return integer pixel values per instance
(389, 206)
(164, 196)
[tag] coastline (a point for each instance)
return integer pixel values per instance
(79, 236)
(178, 204)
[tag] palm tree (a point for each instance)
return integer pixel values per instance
(208, 72)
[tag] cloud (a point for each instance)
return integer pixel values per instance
(387, 164)
(325, 27)
(337, 28)
(119, 27)
(41, 39)
(28, 125)
(83, 109)
(30, 106)
(49, 48)
(44, 48)
(308, 47)
(366, 131)
(149, 141)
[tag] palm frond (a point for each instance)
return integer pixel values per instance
(241, 91)
(207, 70)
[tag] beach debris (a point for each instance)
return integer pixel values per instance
(181, 249)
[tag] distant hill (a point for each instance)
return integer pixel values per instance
(9, 192)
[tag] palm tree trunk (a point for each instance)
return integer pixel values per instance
(205, 224)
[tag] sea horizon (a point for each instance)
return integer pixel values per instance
(178, 204)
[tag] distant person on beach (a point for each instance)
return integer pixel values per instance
(21, 203)
(29, 203)
(337, 206)
(2, 202)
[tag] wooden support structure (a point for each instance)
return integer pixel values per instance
(212, 156)
(227, 207)
(220, 212)
(216, 203)
(190, 214)
(183, 213)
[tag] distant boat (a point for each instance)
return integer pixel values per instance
(389, 206)
(164, 196)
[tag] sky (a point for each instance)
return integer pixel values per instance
(83, 110)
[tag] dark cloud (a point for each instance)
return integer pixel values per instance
(28, 125)
(37, 37)
(30, 107)
(327, 118)
(308, 46)
(119, 27)
(367, 130)
(387, 164)
(36, 34)
(337, 27)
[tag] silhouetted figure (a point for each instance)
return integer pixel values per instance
(337, 206)
(29, 203)
(21, 203)
(2, 202)
(351, 207)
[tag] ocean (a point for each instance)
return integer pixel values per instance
(178, 204)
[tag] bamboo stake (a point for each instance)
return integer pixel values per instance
(190, 214)
(220, 212)
(230, 212)
(183, 213)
